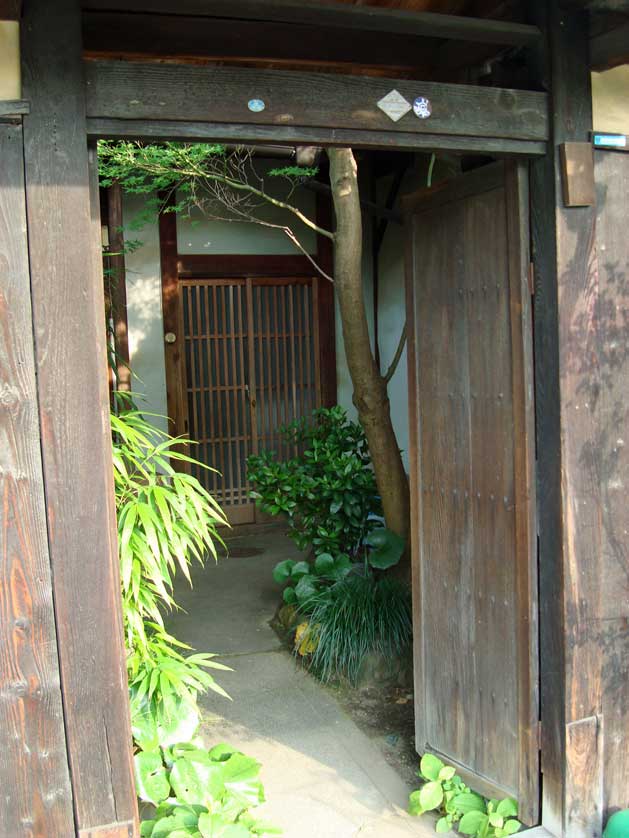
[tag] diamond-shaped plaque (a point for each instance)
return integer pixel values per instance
(394, 105)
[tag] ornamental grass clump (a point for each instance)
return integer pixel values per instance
(360, 616)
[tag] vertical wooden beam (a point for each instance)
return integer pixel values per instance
(37, 797)
(569, 467)
(68, 317)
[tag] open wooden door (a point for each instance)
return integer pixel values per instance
(472, 476)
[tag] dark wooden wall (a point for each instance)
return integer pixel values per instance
(64, 714)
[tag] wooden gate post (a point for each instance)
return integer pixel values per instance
(69, 332)
(569, 449)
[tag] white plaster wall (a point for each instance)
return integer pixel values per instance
(10, 78)
(144, 314)
(610, 100)
(197, 234)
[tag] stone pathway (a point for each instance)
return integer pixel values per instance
(323, 777)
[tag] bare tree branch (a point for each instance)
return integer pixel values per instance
(396, 358)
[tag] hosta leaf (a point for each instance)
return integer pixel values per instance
(430, 796)
(282, 571)
(511, 827)
(150, 777)
(443, 825)
(215, 826)
(472, 822)
(508, 808)
(430, 766)
(469, 801)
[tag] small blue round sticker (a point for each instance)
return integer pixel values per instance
(256, 105)
(422, 107)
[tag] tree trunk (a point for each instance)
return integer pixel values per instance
(370, 388)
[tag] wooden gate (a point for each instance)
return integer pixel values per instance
(251, 365)
(474, 543)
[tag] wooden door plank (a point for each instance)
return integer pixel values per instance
(518, 234)
(474, 562)
(34, 766)
(612, 179)
(68, 316)
(136, 90)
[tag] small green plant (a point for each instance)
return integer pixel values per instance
(190, 791)
(359, 616)
(328, 491)
(166, 519)
(303, 580)
(460, 807)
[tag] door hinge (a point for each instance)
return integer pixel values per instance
(531, 279)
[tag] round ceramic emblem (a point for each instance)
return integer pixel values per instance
(422, 107)
(256, 105)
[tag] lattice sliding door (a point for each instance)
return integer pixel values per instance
(251, 363)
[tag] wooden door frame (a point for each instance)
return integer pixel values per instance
(513, 177)
(571, 742)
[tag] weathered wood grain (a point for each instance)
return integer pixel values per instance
(568, 376)
(157, 129)
(474, 555)
(584, 776)
(612, 182)
(68, 318)
(13, 107)
(138, 90)
(37, 797)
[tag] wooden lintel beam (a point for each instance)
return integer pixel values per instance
(127, 90)
(610, 49)
(215, 39)
(368, 18)
(242, 133)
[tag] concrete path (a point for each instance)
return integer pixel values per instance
(323, 777)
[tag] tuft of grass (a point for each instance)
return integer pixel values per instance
(356, 617)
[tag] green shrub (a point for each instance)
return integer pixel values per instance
(303, 580)
(328, 491)
(461, 808)
(354, 618)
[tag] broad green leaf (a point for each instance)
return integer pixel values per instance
(472, 822)
(299, 570)
(430, 766)
(469, 801)
(508, 808)
(430, 796)
(443, 825)
(215, 826)
(511, 826)
(150, 777)
(414, 804)
(282, 571)
(447, 773)
(324, 564)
